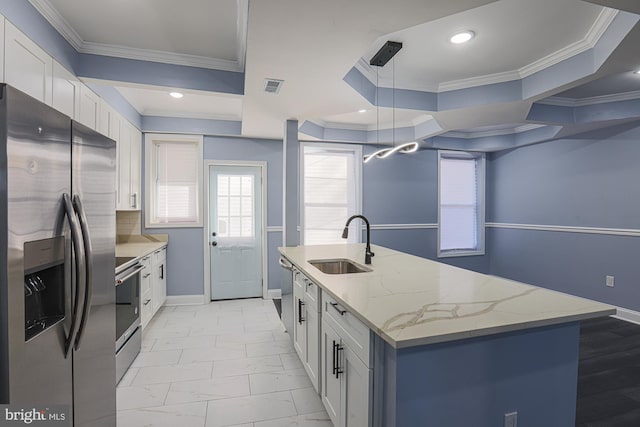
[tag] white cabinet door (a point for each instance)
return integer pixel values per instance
(331, 389)
(66, 91)
(129, 167)
(124, 168)
(26, 66)
(106, 116)
(159, 278)
(312, 360)
(136, 166)
(89, 107)
(299, 326)
(356, 380)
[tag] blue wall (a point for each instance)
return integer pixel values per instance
(474, 382)
(590, 181)
(186, 249)
(403, 189)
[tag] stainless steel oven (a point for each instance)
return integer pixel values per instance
(128, 333)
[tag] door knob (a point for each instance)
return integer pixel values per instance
(213, 234)
(214, 243)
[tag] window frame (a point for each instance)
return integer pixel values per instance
(150, 159)
(357, 152)
(480, 220)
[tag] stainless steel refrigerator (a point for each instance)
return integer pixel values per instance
(57, 262)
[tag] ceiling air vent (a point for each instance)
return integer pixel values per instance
(272, 85)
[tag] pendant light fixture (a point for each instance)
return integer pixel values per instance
(386, 53)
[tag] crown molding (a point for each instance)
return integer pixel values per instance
(198, 116)
(583, 102)
(61, 25)
(58, 22)
(498, 132)
(159, 56)
(600, 25)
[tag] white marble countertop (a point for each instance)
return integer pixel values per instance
(411, 301)
(140, 245)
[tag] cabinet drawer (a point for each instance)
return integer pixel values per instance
(145, 280)
(146, 261)
(159, 256)
(310, 290)
(146, 307)
(355, 334)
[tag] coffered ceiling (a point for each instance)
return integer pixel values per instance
(526, 57)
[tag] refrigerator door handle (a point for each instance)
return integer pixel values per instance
(88, 253)
(78, 249)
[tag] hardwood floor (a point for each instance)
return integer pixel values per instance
(609, 374)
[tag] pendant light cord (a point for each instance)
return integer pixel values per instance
(393, 95)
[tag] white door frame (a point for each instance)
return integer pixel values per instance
(207, 226)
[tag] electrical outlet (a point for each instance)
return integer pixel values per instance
(610, 282)
(511, 419)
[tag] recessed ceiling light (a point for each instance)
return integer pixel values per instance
(462, 37)
(363, 110)
(636, 72)
(176, 95)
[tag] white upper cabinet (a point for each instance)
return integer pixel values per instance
(89, 107)
(26, 66)
(129, 167)
(104, 123)
(66, 91)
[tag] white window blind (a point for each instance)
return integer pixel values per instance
(174, 182)
(460, 204)
(330, 195)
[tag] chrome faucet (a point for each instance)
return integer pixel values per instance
(345, 233)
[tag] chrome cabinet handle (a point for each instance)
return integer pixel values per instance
(134, 200)
(285, 264)
(335, 305)
(147, 302)
(146, 275)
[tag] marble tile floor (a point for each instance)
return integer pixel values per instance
(227, 363)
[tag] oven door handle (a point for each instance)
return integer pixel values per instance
(80, 267)
(121, 280)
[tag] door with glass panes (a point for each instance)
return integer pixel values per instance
(235, 197)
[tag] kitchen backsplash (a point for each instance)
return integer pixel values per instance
(128, 224)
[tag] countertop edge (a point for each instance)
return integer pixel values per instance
(139, 249)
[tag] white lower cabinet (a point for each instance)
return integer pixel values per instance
(146, 291)
(153, 286)
(335, 349)
(159, 261)
(306, 330)
(346, 374)
(299, 326)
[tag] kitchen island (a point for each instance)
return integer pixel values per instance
(451, 347)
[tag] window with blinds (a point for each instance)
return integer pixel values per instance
(174, 171)
(461, 204)
(330, 193)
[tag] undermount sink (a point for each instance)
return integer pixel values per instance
(338, 266)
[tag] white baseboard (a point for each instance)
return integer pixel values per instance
(628, 315)
(184, 300)
(274, 294)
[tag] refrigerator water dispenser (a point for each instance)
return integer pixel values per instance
(44, 304)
